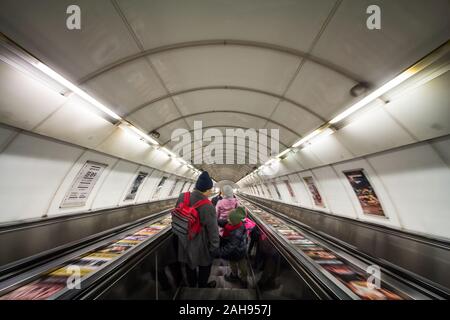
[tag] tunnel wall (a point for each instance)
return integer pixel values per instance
(402, 147)
(411, 183)
(30, 104)
(36, 173)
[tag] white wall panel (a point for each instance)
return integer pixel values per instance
(124, 144)
(336, 197)
(6, 135)
(329, 150)
(31, 170)
(77, 122)
(25, 101)
(307, 159)
(425, 110)
(418, 181)
(283, 191)
(114, 185)
(442, 147)
(371, 132)
(300, 191)
(68, 180)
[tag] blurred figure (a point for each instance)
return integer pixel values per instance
(217, 198)
(224, 206)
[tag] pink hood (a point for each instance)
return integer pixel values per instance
(224, 207)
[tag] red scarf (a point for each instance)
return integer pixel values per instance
(229, 227)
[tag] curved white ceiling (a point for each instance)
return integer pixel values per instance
(257, 64)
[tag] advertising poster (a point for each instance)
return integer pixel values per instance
(317, 198)
(183, 186)
(291, 191)
(366, 195)
(34, 291)
(268, 190)
(261, 190)
(173, 188)
(159, 187)
(83, 184)
(276, 190)
(135, 185)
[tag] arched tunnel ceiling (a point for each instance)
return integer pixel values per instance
(286, 65)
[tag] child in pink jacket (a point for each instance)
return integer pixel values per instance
(228, 203)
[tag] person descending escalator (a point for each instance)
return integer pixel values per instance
(194, 222)
(224, 206)
(233, 246)
(217, 198)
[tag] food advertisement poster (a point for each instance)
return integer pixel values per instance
(365, 193)
(317, 198)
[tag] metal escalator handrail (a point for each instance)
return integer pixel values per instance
(318, 283)
(100, 281)
(418, 282)
(427, 239)
(68, 251)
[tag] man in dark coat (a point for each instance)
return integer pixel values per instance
(198, 253)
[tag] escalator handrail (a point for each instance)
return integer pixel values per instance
(418, 282)
(18, 267)
(426, 239)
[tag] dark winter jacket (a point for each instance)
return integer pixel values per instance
(216, 199)
(201, 250)
(234, 246)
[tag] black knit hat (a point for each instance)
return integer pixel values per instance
(204, 182)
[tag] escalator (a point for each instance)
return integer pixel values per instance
(139, 261)
(346, 269)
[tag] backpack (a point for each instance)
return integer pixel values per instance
(186, 220)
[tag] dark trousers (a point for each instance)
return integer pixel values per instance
(199, 275)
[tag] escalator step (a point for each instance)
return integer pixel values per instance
(216, 294)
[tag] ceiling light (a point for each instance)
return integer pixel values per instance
(307, 137)
(69, 85)
(284, 152)
(168, 152)
(375, 94)
(141, 134)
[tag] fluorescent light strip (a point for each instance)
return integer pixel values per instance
(142, 134)
(69, 85)
(284, 152)
(306, 138)
(167, 151)
(374, 95)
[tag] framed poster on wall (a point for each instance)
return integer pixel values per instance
(276, 190)
(159, 187)
(173, 188)
(290, 190)
(314, 192)
(137, 182)
(365, 193)
(83, 184)
(268, 190)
